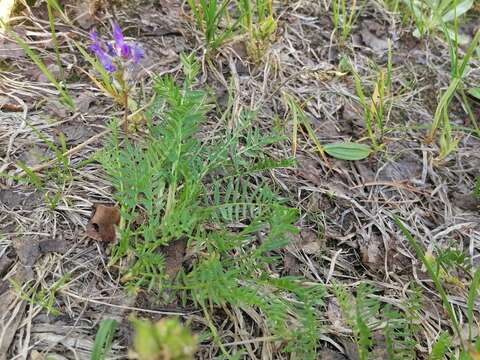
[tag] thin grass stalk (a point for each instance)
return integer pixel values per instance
(51, 20)
(43, 68)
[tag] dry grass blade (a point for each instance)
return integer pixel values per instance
(229, 277)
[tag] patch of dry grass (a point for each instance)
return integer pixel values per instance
(347, 235)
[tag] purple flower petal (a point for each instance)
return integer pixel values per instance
(117, 35)
(111, 49)
(107, 52)
(106, 62)
(94, 36)
(125, 51)
(95, 47)
(138, 54)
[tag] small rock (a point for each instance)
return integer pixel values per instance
(54, 69)
(375, 43)
(174, 255)
(84, 100)
(291, 265)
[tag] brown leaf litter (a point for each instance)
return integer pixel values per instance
(174, 255)
(11, 198)
(309, 241)
(102, 223)
(29, 249)
(5, 263)
(7, 105)
(85, 12)
(356, 202)
(75, 133)
(466, 201)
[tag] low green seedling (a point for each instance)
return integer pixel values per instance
(341, 150)
(436, 267)
(212, 19)
(343, 18)
(199, 192)
(376, 107)
(448, 143)
(39, 296)
(433, 15)
(257, 20)
(348, 151)
(166, 339)
(103, 339)
(363, 313)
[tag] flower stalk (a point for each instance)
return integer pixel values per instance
(118, 58)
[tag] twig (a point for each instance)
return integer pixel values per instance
(131, 308)
(401, 185)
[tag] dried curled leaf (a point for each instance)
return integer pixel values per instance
(102, 223)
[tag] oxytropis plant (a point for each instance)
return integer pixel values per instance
(118, 60)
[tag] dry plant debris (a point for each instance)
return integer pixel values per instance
(346, 234)
(102, 223)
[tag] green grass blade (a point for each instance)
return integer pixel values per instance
(458, 10)
(51, 20)
(54, 4)
(471, 48)
(103, 339)
(440, 348)
(43, 68)
(472, 295)
(453, 50)
(220, 11)
(33, 178)
(434, 276)
(475, 92)
(442, 106)
(299, 118)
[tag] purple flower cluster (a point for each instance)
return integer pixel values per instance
(115, 51)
